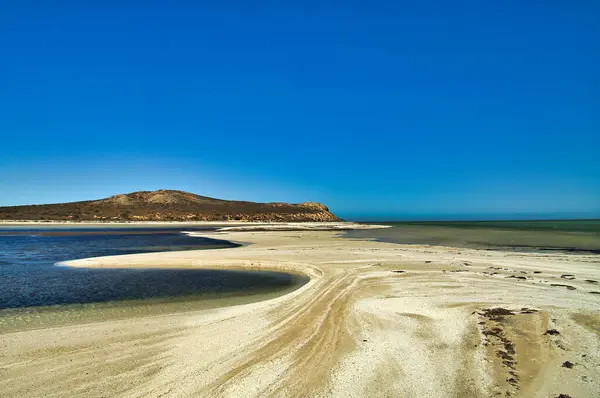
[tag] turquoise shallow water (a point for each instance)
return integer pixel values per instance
(29, 276)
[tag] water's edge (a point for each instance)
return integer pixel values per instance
(35, 317)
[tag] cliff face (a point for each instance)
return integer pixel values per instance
(168, 205)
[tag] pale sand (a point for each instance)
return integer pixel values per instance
(357, 329)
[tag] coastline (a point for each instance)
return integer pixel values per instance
(375, 319)
(304, 224)
(30, 318)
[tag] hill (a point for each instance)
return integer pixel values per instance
(168, 205)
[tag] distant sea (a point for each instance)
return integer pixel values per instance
(569, 236)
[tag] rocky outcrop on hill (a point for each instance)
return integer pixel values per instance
(169, 205)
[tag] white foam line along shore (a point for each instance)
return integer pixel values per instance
(249, 224)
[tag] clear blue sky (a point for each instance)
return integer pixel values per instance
(379, 109)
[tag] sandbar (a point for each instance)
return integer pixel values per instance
(375, 320)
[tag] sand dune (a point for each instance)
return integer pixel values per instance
(376, 320)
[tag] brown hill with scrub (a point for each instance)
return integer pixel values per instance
(168, 205)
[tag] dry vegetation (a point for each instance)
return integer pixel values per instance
(168, 205)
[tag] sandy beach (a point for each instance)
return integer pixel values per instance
(376, 320)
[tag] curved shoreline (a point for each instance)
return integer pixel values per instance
(188, 259)
(375, 319)
(223, 294)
